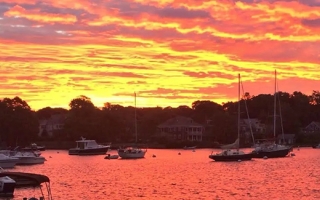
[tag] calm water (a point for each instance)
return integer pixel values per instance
(191, 175)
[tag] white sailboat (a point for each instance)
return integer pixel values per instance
(133, 152)
(232, 152)
(273, 150)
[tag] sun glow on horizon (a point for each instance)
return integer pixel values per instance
(172, 52)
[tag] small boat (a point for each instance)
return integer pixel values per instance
(34, 147)
(28, 158)
(88, 147)
(186, 148)
(316, 146)
(7, 161)
(131, 152)
(23, 179)
(111, 156)
(7, 186)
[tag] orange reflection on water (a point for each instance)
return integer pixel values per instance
(191, 175)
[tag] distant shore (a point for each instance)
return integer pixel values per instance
(65, 145)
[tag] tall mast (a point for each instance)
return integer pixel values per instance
(135, 116)
(239, 109)
(275, 104)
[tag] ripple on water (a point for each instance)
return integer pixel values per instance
(191, 175)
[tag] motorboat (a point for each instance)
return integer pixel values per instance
(26, 180)
(7, 186)
(131, 152)
(28, 158)
(34, 147)
(7, 161)
(88, 147)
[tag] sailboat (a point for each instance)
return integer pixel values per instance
(272, 149)
(133, 152)
(231, 152)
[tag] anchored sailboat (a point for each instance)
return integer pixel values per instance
(272, 150)
(231, 152)
(133, 152)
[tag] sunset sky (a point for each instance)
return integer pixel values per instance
(171, 52)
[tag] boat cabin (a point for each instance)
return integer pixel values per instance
(86, 144)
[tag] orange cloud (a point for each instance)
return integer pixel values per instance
(171, 52)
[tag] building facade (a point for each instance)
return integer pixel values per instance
(181, 129)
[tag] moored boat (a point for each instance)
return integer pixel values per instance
(232, 152)
(88, 147)
(22, 179)
(131, 152)
(272, 149)
(317, 146)
(34, 147)
(7, 161)
(28, 158)
(7, 186)
(186, 147)
(231, 155)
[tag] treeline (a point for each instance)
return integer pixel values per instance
(19, 124)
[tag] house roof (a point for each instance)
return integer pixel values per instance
(313, 123)
(286, 136)
(179, 121)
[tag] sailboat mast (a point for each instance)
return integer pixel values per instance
(135, 116)
(275, 104)
(238, 110)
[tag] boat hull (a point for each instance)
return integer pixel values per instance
(128, 155)
(30, 160)
(93, 151)
(280, 153)
(9, 163)
(226, 158)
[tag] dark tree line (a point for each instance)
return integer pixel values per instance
(19, 124)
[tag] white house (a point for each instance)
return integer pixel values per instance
(49, 126)
(181, 128)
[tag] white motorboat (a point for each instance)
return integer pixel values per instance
(28, 158)
(131, 152)
(7, 161)
(88, 147)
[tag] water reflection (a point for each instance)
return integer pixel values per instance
(191, 175)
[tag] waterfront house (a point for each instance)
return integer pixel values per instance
(181, 129)
(247, 125)
(47, 127)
